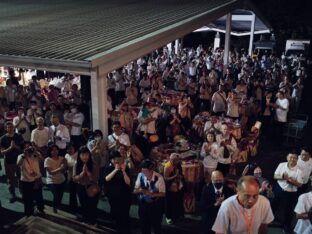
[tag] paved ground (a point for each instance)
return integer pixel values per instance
(12, 212)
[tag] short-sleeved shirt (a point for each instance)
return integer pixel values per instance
(57, 178)
(230, 218)
(123, 138)
(117, 187)
(294, 173)
(303, 205)
(40, 137)
(76, 118)
(28, 167)
(157, 184)
(219, 101)
(306, 168)
(281, 115)
(5, 142)
(308, 230)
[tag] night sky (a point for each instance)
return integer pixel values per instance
(289, 18)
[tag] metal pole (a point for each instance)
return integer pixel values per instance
(252, 31)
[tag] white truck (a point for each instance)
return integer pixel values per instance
(296, 47)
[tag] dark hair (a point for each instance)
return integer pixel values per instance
(306, 148)
(116, 123)
(79, 165)
(98, 132)
(68, 145)
(9, 123)
(147, 163)
(114, 154)
(50, 148)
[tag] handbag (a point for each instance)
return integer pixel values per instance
(153, 138)
(92, 190)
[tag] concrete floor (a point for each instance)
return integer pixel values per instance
(12, 212)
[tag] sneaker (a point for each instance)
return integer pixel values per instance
(169, 221)
(39, 212)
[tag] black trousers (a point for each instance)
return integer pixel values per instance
(57, 191)
(88, 205)
(279, 128)
(174, 205)
(77, 141)
(120, 207)
(119, 97)
(29, 196)
(150, 215)
(303, 189)
(285, 201)
(72, 187)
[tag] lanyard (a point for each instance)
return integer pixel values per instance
(248, 221)
(31, 164)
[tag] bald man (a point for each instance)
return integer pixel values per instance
(244, 213)
(213, 195)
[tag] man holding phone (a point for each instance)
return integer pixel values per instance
(11, 146)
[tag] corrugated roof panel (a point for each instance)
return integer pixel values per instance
(75, 29)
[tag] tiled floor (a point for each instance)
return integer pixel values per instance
(13, 212)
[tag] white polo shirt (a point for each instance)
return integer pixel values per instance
(281, 115)
(230, 218)
(294, 173)
(306, 168)
(76, 118)
(303, 205)
(40, 137)
(123, 138)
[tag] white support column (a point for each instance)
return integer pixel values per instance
(227, 40)
(216, 43)
(252, 31)
(99, 101)
(176, 47)
(169, 46)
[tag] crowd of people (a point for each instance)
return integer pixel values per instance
(151, 101)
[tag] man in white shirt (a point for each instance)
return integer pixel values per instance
(302, 208)
(218, 101)
(32, 113)
(59, 135)
(120, 87)
(289, 177)
(305, 164)
(244, 213)
(40, 137)
(151, 189)
(118, 137)
(75, 122)
(21, 125)
(281, 109)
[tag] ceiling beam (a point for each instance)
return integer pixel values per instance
(121, 55)
(80, 67)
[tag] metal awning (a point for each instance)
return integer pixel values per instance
(241, 24)
(78, 35)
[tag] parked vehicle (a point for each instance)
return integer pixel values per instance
(297, 47)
